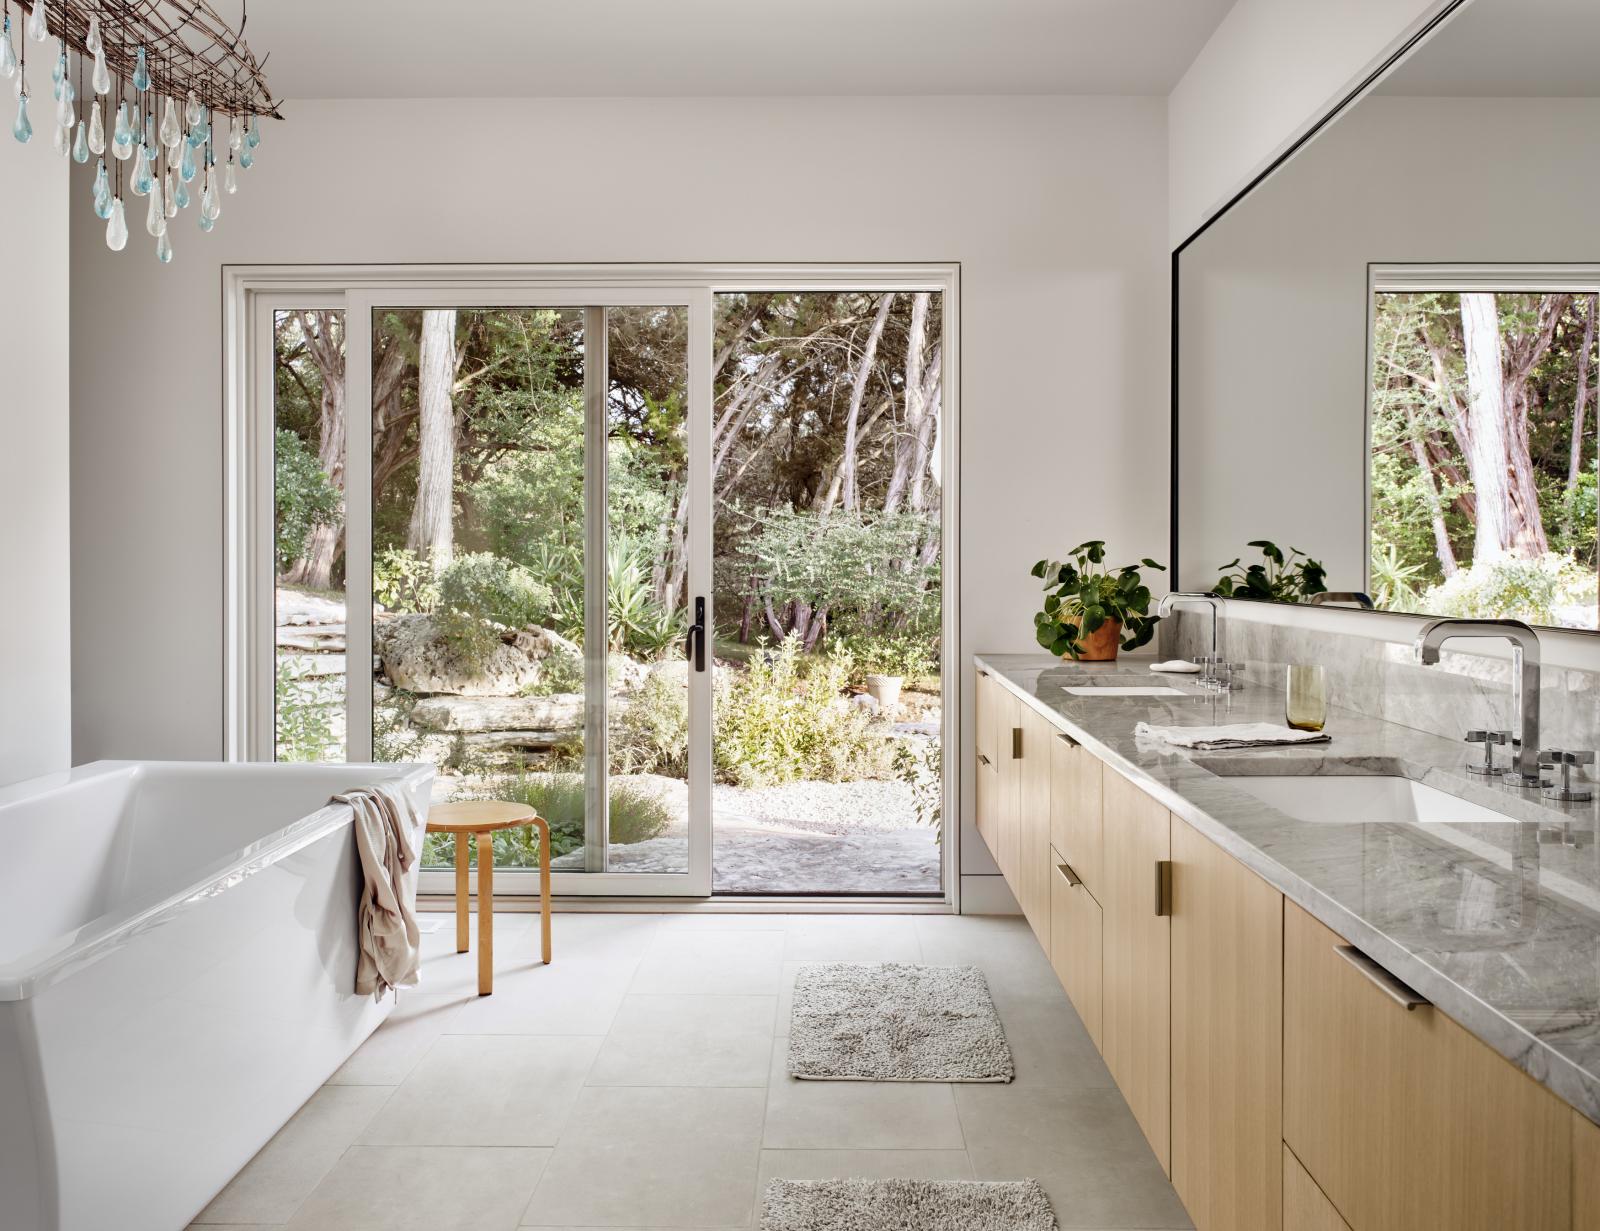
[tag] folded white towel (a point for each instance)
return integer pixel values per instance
(1234, 735)
(1177, 666)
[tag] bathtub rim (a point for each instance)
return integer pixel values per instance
(58, 958)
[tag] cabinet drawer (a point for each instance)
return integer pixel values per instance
(1404, 1119)
(1075, 937)
(1075, 807)
(984, 718)
(1305, 1206)
(1032, 881)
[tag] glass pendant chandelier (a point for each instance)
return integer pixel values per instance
(145, 95)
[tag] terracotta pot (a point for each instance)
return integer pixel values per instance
(1101, 645)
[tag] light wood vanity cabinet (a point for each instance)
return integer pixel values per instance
(987, 788)
(1280, 1087)
(1403, 1118)
(1075, 943)
(1227, 1037)
(1137, 957)
(1075, 808)
(1032, 881)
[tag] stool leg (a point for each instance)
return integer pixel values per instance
(485, 914)
(463, 890)
(544, 886)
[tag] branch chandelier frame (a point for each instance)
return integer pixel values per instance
(163, 86)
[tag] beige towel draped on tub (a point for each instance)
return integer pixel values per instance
(387, 926)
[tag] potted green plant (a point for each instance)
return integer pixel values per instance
(1278, 579)
(1089, 609)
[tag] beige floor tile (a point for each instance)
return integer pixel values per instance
(724, 921)
(394, 1048)
(1082, 1145)
(863, 1165)
(487, 1090)
(672, 1040)
(1050, 1046)
(853, 938)
(572, 997)
(632, 1156)
(857, 1115)
(443, 971)
(596, 937)
(423, 1188)
(287, 1169)
(712, 962)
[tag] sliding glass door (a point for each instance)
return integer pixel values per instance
(523, 514)
(666, 561)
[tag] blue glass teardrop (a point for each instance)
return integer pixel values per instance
(22, 130)
(80, 146)
(207, 223)
(8, 53)
(141, 73)
(186, 167)
(247, 158)
(181, 194)
(122, 133)
(253, 137)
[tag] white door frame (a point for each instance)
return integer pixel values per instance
(252, 293)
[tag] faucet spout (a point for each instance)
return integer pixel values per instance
(1178, 597)
(1524, 680)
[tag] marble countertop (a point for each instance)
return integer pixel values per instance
(1497, 924)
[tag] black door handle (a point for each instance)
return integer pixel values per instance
(695, 646)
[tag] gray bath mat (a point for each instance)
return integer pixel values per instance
(905, 1205)
(892, 1021)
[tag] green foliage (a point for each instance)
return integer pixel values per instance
(922, 769)
(863, 568)
(560, 672)
(912, 657)
(304, 497)
(1278, 579)
(1537, 591)
(305, 718)
(784, 719)
(1395, 584)
(403, 581)
(480, 594)
(636, 621)
(1082, 594)
(650, 735)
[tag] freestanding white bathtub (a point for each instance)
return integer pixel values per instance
(177, 963)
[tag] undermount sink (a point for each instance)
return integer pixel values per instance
(1109, 691)
(1370, 799)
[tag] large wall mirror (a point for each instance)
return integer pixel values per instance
(1387, 349)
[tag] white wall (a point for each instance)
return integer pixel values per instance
(35, 582)
(1273, 323)
(1056, 208)
(1266, 74)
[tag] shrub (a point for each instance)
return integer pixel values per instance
(636, 619)
(304, 497)
(922, 769)
(479, 593)
(1542, 590)
(651, 734)
(913, 658)
(784, 719)
(305, 719)
(404, 582)
(561, 671)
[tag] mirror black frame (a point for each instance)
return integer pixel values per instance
(1349, 100)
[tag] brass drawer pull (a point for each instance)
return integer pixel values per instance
(1070, 876)
(1066, 739)
(1016, 743)
(1402, 994)
(1163, 886)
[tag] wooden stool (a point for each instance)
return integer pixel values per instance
(480, 818)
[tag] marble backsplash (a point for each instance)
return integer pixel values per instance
(1382, 679)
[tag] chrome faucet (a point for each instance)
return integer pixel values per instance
(1208, 664)
(1524, 681)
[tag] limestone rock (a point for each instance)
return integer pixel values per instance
(416, 658)
(556, 712)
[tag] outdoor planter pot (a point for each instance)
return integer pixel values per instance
(885, 690)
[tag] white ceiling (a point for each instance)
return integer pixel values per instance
(607, 48)
(1509, 49)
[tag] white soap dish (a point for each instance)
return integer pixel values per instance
(1177, 666)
